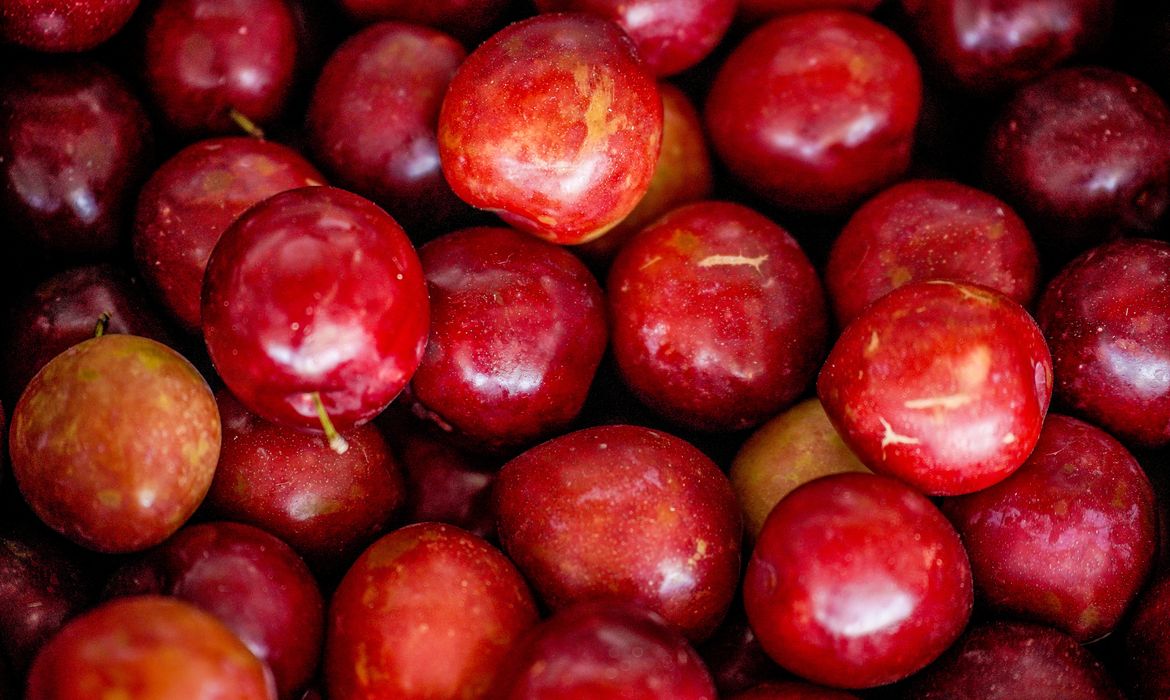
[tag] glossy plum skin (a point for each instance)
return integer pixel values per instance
(73, 140)
(189, 202)
(315, 290)
(114, 442)
(63, 310)
(427, 611)
(988, 46)
(1147, 643)
(204, 58)
(857, 580)
(1084, 156)
(1068, 538)
(718, 318)
(603, 650)
(930, 229)
(577, 146)
(148, 648)
(63, 25)
(373, 119)
(518, 328)
(466, 19)
(248, 579)
(327, 506)
(1013, 661)
(814, 111)
(671, 36)
(1107, 320)
(942, 384)
(623, 511)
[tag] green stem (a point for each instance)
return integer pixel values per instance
(336, 442)
(103, 324)
(246, 124)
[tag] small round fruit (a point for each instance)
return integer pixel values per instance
(63, 25)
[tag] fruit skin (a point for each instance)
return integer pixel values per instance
(856, 581)
(1147, 643)
(315, 290)
(817, 110)
(114, 443)
(1068, 538)
(626, 512)
(576, 148)
(467, 20)
(148, 648)
(791, 690)
(428, 611)
(1106, 316)
(942, 384)
(63, 25)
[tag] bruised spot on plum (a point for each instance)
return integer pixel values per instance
(733, 261)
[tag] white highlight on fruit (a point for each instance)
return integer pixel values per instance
(948, 402)
(733, 260)
(891, 437)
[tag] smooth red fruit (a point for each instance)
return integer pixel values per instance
(942, 384)
(856, 581)
(628, 512)
(1067, 539)
(205, 58)
(816, 110)
(792, 690)
(518, 328)
(114, 442)
(1147, 643)
(1013, 661)
(73, 141)
(63, 25)
(575, 148)
(315, 291)
(249, 580)
(1107, 320)
(718, 317)
(466, 19)
(603, 650)
(189, 202)
(428, 611)
(930, 229)
(64, 309)
(327, 506)
(373, 117)
(734, 656)
(1084, 156)
(148, 648)
(986, 46)
(671, 36)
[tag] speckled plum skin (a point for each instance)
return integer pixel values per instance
(718, 318)
(60, 26)
(427, 611)
(1107, 320)
(576, 148)
(942, 384)
(148, 648)
(114, 442)
(315, 290)
(930, 229)
(189, 202)
(857, 580)
(817, 110)
(518, 328)
(1068, 538)
(624, 511)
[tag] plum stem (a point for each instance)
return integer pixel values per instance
(246, 124)
(337, 443)
(102, 325)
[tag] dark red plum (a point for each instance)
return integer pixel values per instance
(759, 10)
(518, 328)
(856, 581)
(206, 58)
(327, 506)
(1107, 320)
(792, 690)
(817, 110)
(248, 579)
(428, 611)
(373, 119)
(734, 656)
(1067, 539)
(73, 144)
(1013, 661)
(189, 202)
(603, 650)
(1147, 643)
(468, 20)
(942, 384)
(718, 318)
(63, 25)
(930, 229)
(627, 512)
(1084, 156)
